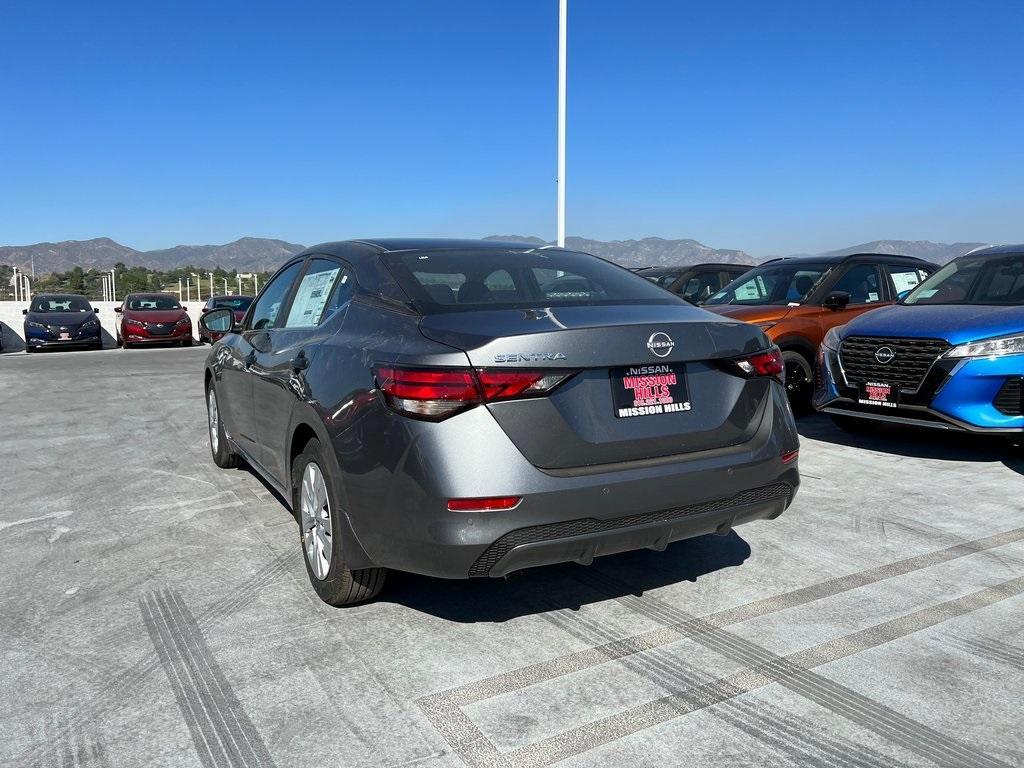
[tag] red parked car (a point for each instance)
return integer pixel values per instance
(235, 302)
(153, 318)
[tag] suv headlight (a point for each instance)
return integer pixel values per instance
(34, 324)
(999, 347)
(184, 321)
(831, 340)
(90, 325)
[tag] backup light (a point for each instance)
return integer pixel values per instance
(998, 347)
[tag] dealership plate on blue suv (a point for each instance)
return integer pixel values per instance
(950, 355)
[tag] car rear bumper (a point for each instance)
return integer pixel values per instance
(565, 515)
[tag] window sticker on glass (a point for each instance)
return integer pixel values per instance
(904, 281)
(872, 297)
(311, 298)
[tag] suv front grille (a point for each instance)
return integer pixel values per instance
(912, 358)
(569, 528)
(1010, 398)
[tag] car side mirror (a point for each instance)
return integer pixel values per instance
(24, 311)
(903, 294)
(836, 300)
(119, 310)
(218, 321)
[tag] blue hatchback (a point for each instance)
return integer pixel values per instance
(949, 355)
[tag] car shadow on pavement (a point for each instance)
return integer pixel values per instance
(540, 590)
(919, 442)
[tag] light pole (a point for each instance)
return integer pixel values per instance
(27, 288)
(239, 276)
(563, 12)
(199, 286)
(103, 285)
(113, 286)
(17, 285)
(225, 285)
(212, 289)
(179, 290)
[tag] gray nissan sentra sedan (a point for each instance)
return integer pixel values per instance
(473, 408)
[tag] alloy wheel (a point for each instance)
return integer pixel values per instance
(317, 534)
(214, 419)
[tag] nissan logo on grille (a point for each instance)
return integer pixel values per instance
(660, 344)
(884, 355)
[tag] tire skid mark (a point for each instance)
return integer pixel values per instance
(223, 734)
(666, 669)
(125, 684)
(990, 650)
(443, 709)
(799, 679)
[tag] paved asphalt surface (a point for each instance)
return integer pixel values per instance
(154, 610)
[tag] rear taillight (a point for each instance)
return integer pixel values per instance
(767, 363)
(436, 393)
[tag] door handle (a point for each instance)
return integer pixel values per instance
(300, 362)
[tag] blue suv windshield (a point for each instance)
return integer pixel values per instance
(982, 280)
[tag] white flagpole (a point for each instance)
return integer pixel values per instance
(562, 18)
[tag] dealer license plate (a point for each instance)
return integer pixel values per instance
(649, 390)
(879, 393)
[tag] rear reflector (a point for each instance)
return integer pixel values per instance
(790, 456)
(436, 393)
(490, 504)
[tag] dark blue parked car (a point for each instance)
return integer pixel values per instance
(61, 320)
(950, 354)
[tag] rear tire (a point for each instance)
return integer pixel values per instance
(220, 449)
(799, 379)
(851, 423)
(315, 505)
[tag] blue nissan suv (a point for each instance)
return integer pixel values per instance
(949, 354)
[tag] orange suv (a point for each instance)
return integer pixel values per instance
(795, 301)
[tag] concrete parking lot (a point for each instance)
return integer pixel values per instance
(155, 610)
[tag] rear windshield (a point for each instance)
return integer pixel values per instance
(778, 284)
(237, 303)
(446, 281)
(974, 281)
(60, 304)
(153, 302)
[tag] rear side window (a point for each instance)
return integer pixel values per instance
(442, 281)
(315, 292)
(905, 279)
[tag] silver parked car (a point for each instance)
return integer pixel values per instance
(474, 408)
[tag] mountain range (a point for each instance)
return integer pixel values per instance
(257, 254)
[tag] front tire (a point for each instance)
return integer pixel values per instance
(223, 456)
(313, 501)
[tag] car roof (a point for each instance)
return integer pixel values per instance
(998, 250)
(366, 247)
(843, 258)
(59, 296)
(701, 265)
(149, 294)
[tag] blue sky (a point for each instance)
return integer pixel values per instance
(771, 127)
